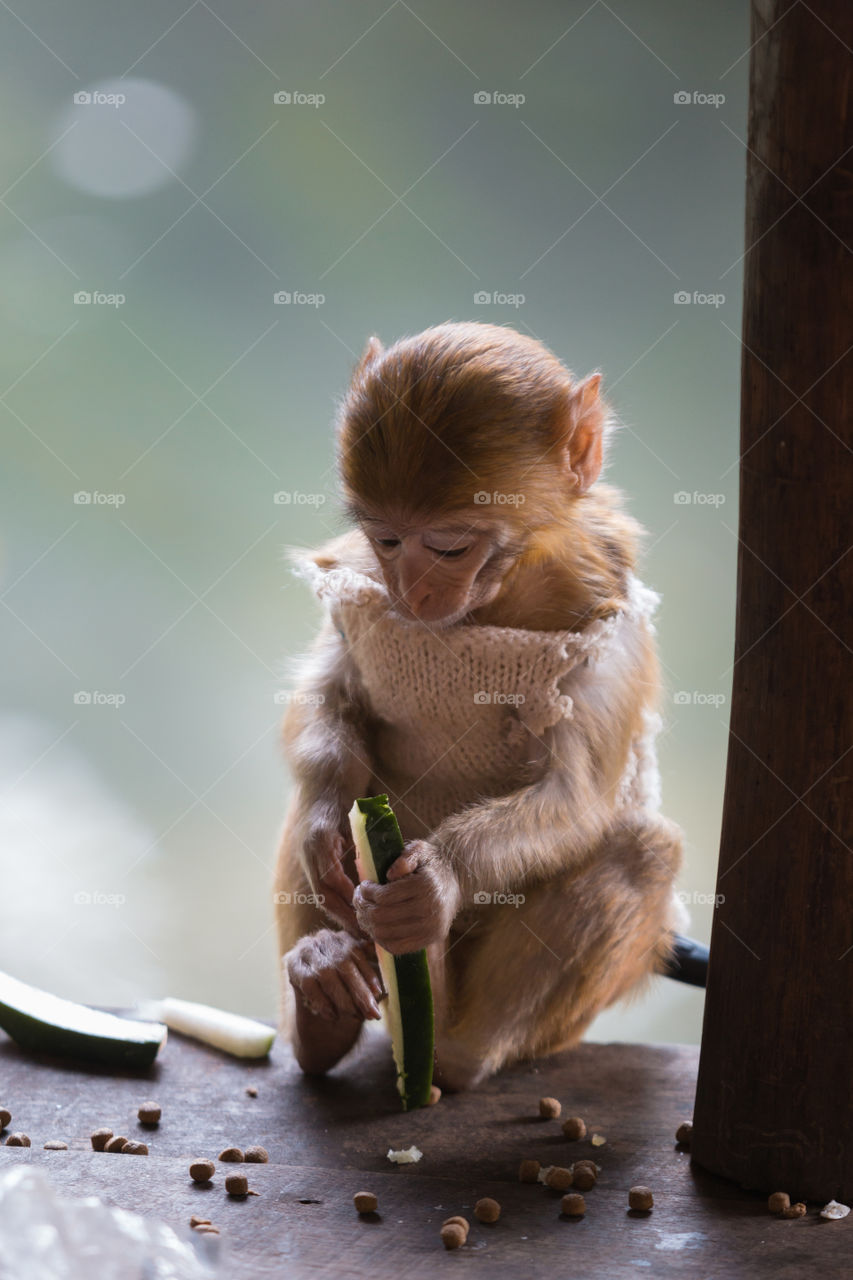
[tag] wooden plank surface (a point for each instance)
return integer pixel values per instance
(328, 1138)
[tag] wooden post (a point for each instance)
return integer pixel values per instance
(774, 1104)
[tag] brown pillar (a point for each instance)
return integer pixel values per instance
(774, 1104)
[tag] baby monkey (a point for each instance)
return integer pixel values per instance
(487, 658)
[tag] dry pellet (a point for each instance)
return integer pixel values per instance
(528, 1171)
(132, 1148)
(202, 1170)
(100, 1138)
(453, 1236)
(149, 1113)
(779, 1202)
(549, 1108)
(18, 1140)
(573, 1205)
(684, 1133)
(434, 1095)
(640, 1198)
(797, 1210)
(196, 1221)
(116, 1144)
(237, 1184)
(55, 1145)
(232, 1155)
(559, 1178)
(586, 1164)
(256, 1155)
(459, 1221)
(365, 1202)
(574, 1128)
(583, 1179)
(487, 1210)
(5, 1117)
(252, 1090)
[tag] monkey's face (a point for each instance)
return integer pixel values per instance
(440, 573)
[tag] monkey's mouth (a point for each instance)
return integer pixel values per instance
(437, 623)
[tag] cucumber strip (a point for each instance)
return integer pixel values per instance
(242, 1037)
(408, 1010)
(45, 1023)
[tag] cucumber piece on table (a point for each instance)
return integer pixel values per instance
(232, 1032)
(408, 1009)
(45, 1023)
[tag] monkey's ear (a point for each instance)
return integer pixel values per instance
(585, 444)
(373, 349)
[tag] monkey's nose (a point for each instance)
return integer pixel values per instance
(416, 600)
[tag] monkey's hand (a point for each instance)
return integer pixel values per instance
(332, 975)
(323, 852)
(417, 905)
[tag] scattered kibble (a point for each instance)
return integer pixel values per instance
(641, 1198)
(487, 1210)
(202, 1170)
(459, 1221)
(834, 1210)
(558, 1178)
(684, 1133)
(453, 1236)
(779, 1202)
(549, 1108)
(586, 1164)
(133, 1148)
(149, 1113)
(528, 1171)
(365, 1202)
(598, 1140)
(55, 1145)
(5, 1117)
(434, 1095)
(232, 1155)
(116, 1143)
(237, 1184)
(573, 1205)
(256, 1155)
(18, 1140)
(207, 1229)
(583, 1178)
(196, 1221)
(252, 1090)
(574, 1128)
(797, 1210)
(100, 1138)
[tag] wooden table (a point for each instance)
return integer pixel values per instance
(328, 1138)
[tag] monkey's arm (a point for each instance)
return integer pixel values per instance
(542, 828)
(325, 746)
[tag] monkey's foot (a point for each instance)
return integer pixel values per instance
(456, 1068)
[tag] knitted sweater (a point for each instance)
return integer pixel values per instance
(460, 711)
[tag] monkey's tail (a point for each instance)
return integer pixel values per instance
(688, 961)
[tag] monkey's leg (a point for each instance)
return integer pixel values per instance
(528, 980)
(317, 1043)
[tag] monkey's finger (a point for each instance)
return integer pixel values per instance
(338, 992)
(402, 890)
(334, 877)
(360, 992)
(366, 968)
(403, 866)
(314, 999)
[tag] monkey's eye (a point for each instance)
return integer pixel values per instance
(388, 542)
(453, 554)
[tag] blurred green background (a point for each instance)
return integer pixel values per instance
(147, 632)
